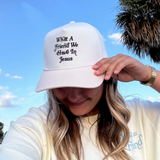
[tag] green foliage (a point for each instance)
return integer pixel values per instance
(1, 131)
(1, 124)
(139, 21)
(1, 134)
(140, 7)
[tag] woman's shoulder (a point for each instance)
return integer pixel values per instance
(28, 135)
(35, 117)
(147, 108)
(40, 112)
(141, 103)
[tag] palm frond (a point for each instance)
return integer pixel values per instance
(139, 21)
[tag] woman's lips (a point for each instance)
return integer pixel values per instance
(78, 103)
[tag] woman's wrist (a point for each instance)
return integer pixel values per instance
(151, 77)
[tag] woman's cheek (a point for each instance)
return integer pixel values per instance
(60, 93)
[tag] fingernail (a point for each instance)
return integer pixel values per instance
(116, 71)
(95, 66)
(97, 72)
(106, 77)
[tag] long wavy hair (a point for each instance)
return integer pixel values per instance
(112, 130)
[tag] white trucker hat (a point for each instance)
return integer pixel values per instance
(69, 54)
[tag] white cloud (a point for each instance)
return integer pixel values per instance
(115, 37)
(6, 87)
(22, 99)
(7, 75)
(1, 88)
(153, 99)
(16, 77)
(6, 99)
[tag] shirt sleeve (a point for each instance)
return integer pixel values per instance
(152, 111)
(149, 112)
(26, 138)
(145, 122)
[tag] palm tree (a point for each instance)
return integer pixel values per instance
(1, 132)
(139, 21)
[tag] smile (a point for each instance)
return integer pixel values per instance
(77, 103)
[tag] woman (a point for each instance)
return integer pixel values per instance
(85, 117)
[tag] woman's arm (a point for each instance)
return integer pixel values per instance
(26, 139)
(125, 68)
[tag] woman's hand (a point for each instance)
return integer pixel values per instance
(123, 68)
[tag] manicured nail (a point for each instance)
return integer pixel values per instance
(95, 66)
(106, 77)
(97, 72)
(116, 71)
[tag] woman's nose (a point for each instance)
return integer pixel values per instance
(74, 94)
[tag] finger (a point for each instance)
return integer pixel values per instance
(109, 65)
(124, 62)
(101, 66)
(99, 63)
(115, 76)
(112, 68)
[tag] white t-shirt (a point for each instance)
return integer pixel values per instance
(27, 138)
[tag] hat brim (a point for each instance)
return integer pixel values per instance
(75, 77)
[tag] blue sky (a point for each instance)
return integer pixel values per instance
(23, 26)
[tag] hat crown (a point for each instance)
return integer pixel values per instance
(69, 53)
(73, 45)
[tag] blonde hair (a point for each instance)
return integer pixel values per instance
(112, 130)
